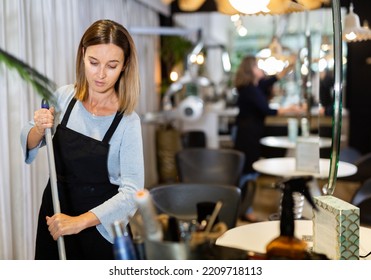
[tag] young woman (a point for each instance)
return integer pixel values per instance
(97, 147)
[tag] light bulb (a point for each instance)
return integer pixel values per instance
(250, 6)
(174, 76)
(350, 36)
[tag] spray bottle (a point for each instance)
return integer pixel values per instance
(287, 246)
(123, 246)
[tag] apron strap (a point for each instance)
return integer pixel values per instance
(112, 128)
(68, 112)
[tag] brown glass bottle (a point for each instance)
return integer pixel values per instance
(287, 246)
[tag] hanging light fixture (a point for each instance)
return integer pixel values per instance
(312, 4)
(225, 7)
(273, 7)
(190, 5)
(278, 6)
(187, 5)
(367, 28)
(275, 58)
(251, 6)
(353, 31)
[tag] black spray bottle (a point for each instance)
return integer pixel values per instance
(287, 246)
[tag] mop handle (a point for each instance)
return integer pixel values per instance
(53, 181)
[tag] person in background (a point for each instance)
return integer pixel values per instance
(97, 147)
(326, 87)
(254, 91)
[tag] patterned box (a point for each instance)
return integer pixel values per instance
(336, 228)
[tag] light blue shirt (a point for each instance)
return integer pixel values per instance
(125, 157)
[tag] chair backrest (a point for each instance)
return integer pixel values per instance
(362, 199)
(349, 154)
(206, 165)
(180, 200)
(363, 169)
(193, 139)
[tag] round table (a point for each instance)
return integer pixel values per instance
(286, 167)
(284, 142)
(255, 237)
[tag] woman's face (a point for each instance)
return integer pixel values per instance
(103, 66)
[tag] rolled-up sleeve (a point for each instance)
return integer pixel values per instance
(29, 154)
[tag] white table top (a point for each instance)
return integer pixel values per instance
(256, 236)
(286, 167)
(284, 142)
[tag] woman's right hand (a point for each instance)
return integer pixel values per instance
(43, 118)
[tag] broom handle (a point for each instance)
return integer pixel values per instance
(53, 181)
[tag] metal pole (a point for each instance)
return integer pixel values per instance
(329, 188)
(53, 182)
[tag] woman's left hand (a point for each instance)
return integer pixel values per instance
(292, 110)
(61, 224)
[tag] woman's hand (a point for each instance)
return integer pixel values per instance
(294, 110)
(61, 224)
(43, 118)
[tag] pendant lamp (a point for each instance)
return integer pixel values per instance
(249, 7)
(275, 58)
(353, 31)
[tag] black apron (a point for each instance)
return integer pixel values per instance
(83, 183)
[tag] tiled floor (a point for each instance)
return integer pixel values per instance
(267, 199)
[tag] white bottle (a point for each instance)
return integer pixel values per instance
(304, 127)
(151, 225)
(292, 129)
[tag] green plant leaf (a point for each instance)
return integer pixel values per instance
(41, 84)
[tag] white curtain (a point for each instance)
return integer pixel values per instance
(45, 34)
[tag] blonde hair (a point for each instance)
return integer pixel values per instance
(245, 75)
(128, 84)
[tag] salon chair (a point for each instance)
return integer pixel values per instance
(180, 200)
